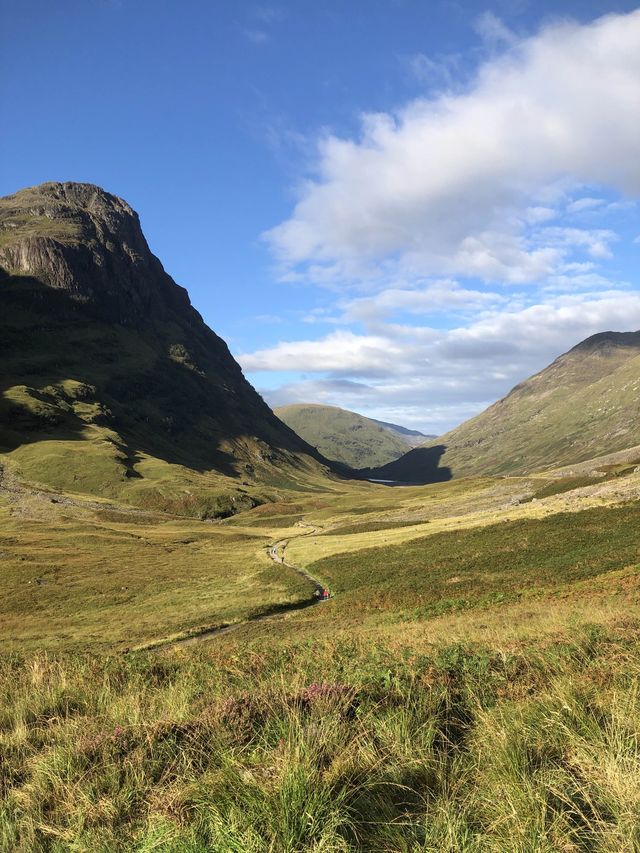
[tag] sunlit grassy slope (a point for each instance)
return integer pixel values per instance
(584, 405)
(104, 579)
(79, 573)
(342, 435)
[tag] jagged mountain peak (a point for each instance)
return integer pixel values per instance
(83, 240)
(65, 193)
(69, 212)
(102, 350)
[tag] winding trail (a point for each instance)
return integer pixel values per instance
(276, 552)
(278, 556)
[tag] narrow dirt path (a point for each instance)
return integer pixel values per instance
(275, 552)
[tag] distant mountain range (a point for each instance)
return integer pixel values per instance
(348, 437)
(111, 382)
(583, 405)
(412, 437)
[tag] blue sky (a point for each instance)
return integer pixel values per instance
(395, 206)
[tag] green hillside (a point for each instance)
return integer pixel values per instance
(342, 435)
(111, 383)
(585, 404)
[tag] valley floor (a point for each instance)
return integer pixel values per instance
(472, 684)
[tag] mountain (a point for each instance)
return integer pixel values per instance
(585, 404)
(411, 437)
(111, 381)
(345, 436)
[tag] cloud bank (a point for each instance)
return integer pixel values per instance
(443, 186)
(485, 206)
(433, 379)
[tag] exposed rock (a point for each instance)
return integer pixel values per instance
(87, 242)
(94, 332)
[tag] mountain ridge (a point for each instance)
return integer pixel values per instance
(101, 345)
(413, 437)
(344, 436)
(584, 404)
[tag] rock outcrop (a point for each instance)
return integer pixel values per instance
(94, 332)
(89, 243)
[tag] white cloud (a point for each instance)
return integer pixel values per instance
(341, 352)
(443, 186)
(434, 378)
(534, 215)
(481, 183)
(493, 30)
(432, 298)
(596, 242)
(581, 204)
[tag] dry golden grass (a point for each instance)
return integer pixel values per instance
(99, 578)
(460, 504)
(76, 572)
(401, 715)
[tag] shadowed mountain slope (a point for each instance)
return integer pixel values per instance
(345, 436)
(109, 375)
(585, 404)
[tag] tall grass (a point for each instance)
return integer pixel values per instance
(332, 748)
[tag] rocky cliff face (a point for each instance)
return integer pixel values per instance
(95, 334)
(87, 242)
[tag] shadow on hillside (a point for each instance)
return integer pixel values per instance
(418, 467)
(168, 387)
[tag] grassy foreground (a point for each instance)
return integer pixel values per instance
(471, 687)
(332, 747)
